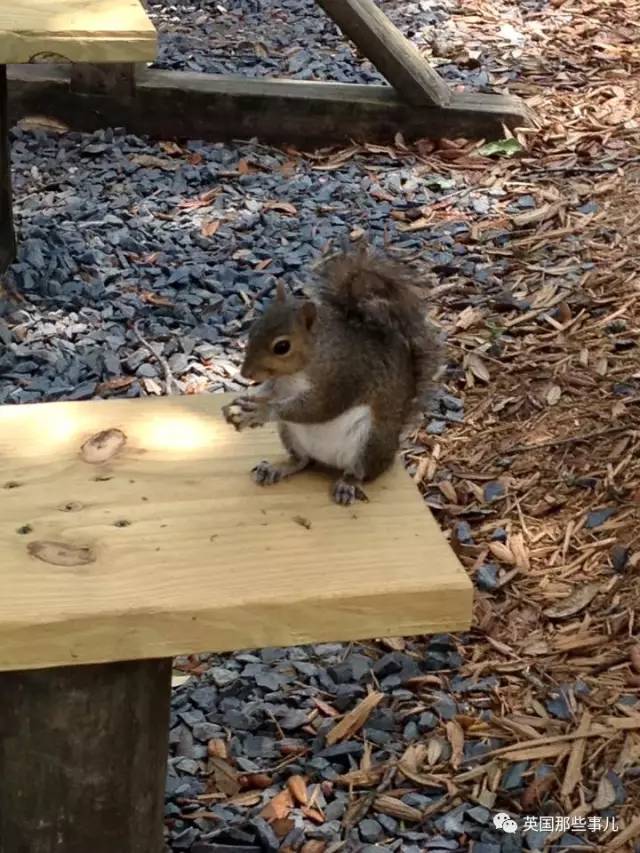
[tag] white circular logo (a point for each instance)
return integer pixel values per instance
(504, 822)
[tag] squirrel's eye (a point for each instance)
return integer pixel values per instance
(281, 347)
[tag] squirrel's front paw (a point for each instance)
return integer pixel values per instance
(266, 474)
(246, 412)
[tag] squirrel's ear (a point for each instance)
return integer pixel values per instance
(281, 293)
(308, 313)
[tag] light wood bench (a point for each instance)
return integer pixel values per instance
(54, 31)
(120, 552)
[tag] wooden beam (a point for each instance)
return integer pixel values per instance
(83, 758)
(397, 59)
(76, 31)
(115, 79)
(7, 235)
(187, 105)
(152, 541)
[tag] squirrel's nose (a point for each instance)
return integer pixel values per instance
(246, 372)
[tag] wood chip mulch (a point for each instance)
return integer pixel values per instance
(548, 453)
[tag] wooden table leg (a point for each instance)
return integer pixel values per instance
(7, 236)
(83, 758)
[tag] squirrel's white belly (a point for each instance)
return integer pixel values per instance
(337, 443)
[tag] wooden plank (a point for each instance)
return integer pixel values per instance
(171, 548)
(113, 78)
(7, 235)
(206, 106)
(76, 31)
(84, 758)
(397, 59)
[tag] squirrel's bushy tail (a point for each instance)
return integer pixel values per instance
(381, 294)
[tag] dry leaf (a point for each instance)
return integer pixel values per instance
(282, 826)
(519, 551)
(455, 736)
(209, 228)
(151, 386)
(203, 200)
(605, 795)
(217, 748)
(313, 814)
(534, 217)
(365, 761)
(361, 778)
(416, 225)
(469, 317)
(413, 757)
(256, 780)
(536, 790)
(355, 719)
(298, 788)
(434, 751)
(314, 846)
(574, 602)
(115, 384)
(396, 644)
(281, 207)
(393, 807)
(149, 161)
(325, 708)
(246, 799)
(477, 366)
(553, 394)
(226, 778)
(154, 299)
(564, 313)
(278, 807)
(171, 148)
(504, 554)
(51, 125)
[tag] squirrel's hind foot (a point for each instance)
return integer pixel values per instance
(346, 493)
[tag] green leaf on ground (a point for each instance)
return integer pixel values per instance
(504, 147)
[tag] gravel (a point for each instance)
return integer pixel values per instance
(187, 243)
(295, 39)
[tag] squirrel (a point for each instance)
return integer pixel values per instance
(343, 373)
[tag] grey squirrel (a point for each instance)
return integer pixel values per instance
(342, 374)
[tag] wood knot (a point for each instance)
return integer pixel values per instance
(103, 446)
(70, 506)
(61, 554)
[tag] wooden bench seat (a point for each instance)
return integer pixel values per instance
(171, 548)
(75, 30)
(130, 532)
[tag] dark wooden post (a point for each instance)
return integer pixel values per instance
(7, 237)
(83, 756)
